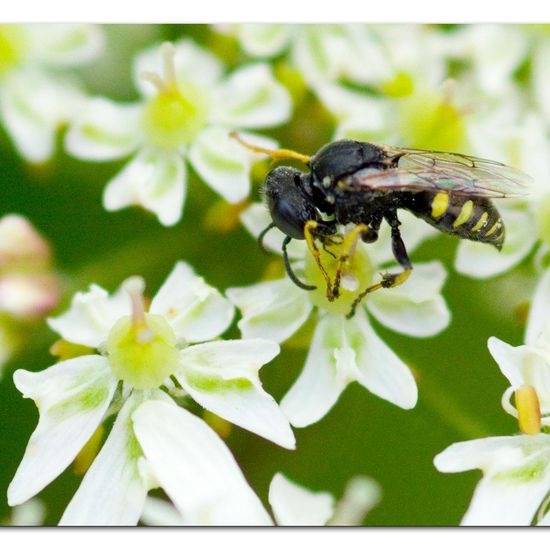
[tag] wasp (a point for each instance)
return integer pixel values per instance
(363, 184)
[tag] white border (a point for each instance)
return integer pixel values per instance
(213, 11)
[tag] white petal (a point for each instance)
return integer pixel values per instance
(524, 365)
(379, 368)
(414, 231)
(330, 366)
(539, 319)
(72, 397)
(91, 316)
(272, 309)
(64, 45)
(113, 491)
(251, 98)
(295, 505)
(192, 64)
(155, 180)
(223, 378)
(256, 218)
(223, 163)
(415, 308)
(480, 260)
(195, 310)
(360, 496)
(541, 76)
(516, 477)
(160, 513)
(265, 40)
(104, 130)
(34, 106)
(195, 468)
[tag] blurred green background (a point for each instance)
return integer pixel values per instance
(459, 384)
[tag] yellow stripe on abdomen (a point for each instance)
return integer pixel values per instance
(465, 214)
(440, 203)
(496, 226)
(480, 223)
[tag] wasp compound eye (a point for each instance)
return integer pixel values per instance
(289, 207)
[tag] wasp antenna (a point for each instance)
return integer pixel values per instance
(262, 235)
(276, 154)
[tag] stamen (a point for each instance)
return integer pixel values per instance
(154, 79)
(135, 286)
(528, 407)
(168, 59)
(506, 404)
(168, 79)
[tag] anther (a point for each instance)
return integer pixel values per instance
(528, 407)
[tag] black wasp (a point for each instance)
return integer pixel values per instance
(360, 183)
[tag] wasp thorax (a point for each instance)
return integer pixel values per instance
(357, 275)
(142, 347)
(178, 112)
(288, 205)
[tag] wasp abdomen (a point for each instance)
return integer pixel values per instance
(472, 218)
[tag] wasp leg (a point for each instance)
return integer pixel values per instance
(348, 249)
(389, 280)
(274, 154)
(289, 270)
(309, 234)
(262, 235)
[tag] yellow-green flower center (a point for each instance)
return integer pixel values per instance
(144, 353)
(429, 120)
(12, 47)
(172, 118)
(357, 275)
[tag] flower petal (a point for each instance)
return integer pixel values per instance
(155, 180)
(379, 368)
(192, 64)
(64, 45)
(256, 218)
(223, 163)
(294, 505)
(265, 40)
(251, 98)
(516, 477)
(72, 397)
(417, 307)
(160, 513)
(33, 106)
(223, 378)
(328, 370)
(91, 316)
(272, 309)
(538, 321)
(195, 468)
(104, 130)
(360, 496)
(524, 365)
(195, 310)
(113, 491)
(480, 260)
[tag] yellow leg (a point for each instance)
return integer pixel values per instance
(310, 240)
(348, 249)
(275, 155)
(389, 280)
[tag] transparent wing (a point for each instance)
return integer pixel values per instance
(438, 170)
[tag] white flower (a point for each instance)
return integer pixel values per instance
(145, 362)
(29, 289)
(187, 111)
(37, 96)
(291, 505)
(29, 514)
(342, 350)
(516, 469)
